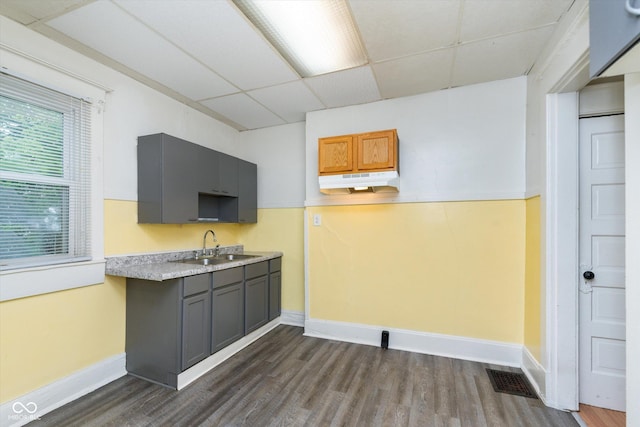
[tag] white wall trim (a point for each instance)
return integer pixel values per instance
(532, 192)
(199, 369)
(292, 318)
(381, 198)
(535, 372)
(477, 350)
(21, 283)
(561, 251)
(62, 391)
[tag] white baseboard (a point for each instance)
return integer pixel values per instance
(535, 372)
(199, 369)
(477, 350)
(31, 406)
(293, 318)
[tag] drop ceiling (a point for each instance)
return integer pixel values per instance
(206, 54)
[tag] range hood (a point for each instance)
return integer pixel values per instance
(372, 182)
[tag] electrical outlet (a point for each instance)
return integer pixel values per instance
(317, 219)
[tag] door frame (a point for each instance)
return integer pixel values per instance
(560, 260)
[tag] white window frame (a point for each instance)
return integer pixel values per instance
(30, 281)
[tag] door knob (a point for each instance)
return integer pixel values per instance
(588, 275)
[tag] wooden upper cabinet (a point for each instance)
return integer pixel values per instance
(377, 151)
(364, 152)
(335, 155)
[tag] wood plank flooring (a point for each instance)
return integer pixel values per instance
(600, 417)
(286, 379)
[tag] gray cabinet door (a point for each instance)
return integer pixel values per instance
(195, 329)
(166, 178)
(256, 302)
(206, 164)
(247, 192)
(275, 289)
(228, 174)
(227, 316)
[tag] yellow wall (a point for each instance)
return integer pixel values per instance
(48, 337)
(532, 279)
(452, 268)
(281, 230)
(123, 234)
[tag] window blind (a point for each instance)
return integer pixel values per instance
(45, 175)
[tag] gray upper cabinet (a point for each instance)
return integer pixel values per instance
(228, 174)
(613, 30)
(207, 170)
(166, 175)
(247, 192)
(180, 183)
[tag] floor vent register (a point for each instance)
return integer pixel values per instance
(511, 383)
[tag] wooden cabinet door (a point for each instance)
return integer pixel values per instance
(377, 151)
(335, 155)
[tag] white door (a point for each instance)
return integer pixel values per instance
(602, 275)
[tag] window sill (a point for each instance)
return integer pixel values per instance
(28, 282)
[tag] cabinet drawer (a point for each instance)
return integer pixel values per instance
(195, 284)
(226, 277)
(255, 270)
(275, 265)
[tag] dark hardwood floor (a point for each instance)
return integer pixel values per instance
(286, 379)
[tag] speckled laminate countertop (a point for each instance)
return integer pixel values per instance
(163, 266)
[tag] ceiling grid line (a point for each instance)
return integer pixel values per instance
(208, 55)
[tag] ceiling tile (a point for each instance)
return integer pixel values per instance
(349, 87)
(498, 58)
(217, 34)
(137, 47)
(290, 101)
(414, 74)
(391, 29)
(488, 18)
(27, 12)
(243, 110)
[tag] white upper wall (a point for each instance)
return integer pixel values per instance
(279, 153)
(131, 109)
(466, 143)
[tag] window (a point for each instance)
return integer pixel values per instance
(45, 176)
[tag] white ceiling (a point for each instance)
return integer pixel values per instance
(205, 53)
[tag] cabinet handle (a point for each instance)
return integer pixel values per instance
(632, 10)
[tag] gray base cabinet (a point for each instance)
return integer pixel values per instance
(227, 309)
(167, 326)
(256, 288)
(275, 288)
(195, 329)
(174, 324)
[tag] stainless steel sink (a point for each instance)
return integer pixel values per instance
(220, 259)
(235, 257)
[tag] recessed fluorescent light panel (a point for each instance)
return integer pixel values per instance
(314, 36)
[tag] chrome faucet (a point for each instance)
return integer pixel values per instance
(215, 251)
